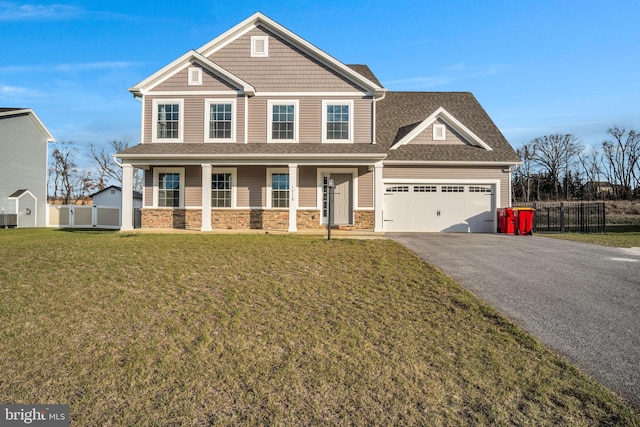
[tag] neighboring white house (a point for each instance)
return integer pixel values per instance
(23, 166)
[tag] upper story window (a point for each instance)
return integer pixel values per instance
(337, 121)
(259, 46)
(168, 120)
(195, 76)
(220, 120)
(439, 132)
(282, 121)
(169, 187)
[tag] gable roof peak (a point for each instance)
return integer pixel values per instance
(179, 64)
(449, 119)
(260, 19)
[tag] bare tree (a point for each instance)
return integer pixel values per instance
(108, 169)
(556, 154)
(523, 175)
(621, 158)
(590, 161)
(63, 172)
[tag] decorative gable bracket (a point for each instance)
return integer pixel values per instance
(451, 121)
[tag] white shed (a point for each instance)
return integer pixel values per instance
(112, 197)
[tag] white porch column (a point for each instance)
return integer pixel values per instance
(378, 193)
(206, 198)
(127, 197)
(293, 198)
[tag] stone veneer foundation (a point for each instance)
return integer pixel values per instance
(245, 219)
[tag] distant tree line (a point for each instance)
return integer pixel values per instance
(70, 184)
(559, 167)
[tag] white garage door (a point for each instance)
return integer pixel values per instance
(439, 207)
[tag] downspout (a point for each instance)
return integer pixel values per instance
(373, 107)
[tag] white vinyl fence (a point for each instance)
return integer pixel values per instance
(74, 216)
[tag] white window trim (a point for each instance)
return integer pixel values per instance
(207, 103)
(439, 132)
(234, 185)
(270, 172)
(258, 54)
(296, 119)
(154, 120)
(156, 186)
(325, 104)
(197, 81)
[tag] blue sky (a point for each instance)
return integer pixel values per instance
(537, 67)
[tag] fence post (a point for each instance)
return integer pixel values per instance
(562, 217)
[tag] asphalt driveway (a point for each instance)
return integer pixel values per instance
(582, 300)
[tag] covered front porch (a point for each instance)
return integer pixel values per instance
(288, 194)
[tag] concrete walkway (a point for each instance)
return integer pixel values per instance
(582, 300)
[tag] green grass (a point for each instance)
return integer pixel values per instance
(621, 236)
(251, 329)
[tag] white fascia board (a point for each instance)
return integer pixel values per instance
(179, 64)
(448, 163)
(270, 156)
(328, 60)
(36, 120)
(444, 115)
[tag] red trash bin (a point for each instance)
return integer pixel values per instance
(506, 220)
(524, 221)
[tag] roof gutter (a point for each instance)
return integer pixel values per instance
(252, 156)
(450, 163)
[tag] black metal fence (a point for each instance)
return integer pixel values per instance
(571, 217)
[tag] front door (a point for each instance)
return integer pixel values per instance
(341, 198)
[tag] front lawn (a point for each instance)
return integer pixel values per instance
(141, 329)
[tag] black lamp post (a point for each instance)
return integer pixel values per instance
(330, 187)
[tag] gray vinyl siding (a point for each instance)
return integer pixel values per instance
(308, 182)
(23, 165)
(285, 69)
(365, 188)
(193, 186)
(310, 118)
(426, 136)
(457, 173)
(194, 118)
(251, 186)
(180, 82)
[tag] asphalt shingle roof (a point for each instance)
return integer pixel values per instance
(258, 148)
(365, 71)
(399, 112)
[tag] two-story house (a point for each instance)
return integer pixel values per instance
(23, 168)
(248, 131)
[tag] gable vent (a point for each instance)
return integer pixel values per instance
(195, 76)
(259, 46)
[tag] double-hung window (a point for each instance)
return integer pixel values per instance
(282, 121)
(221, 189)
(169, 187)
(278, 190)
(220, 120)
(337, 121)
(167, 120)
